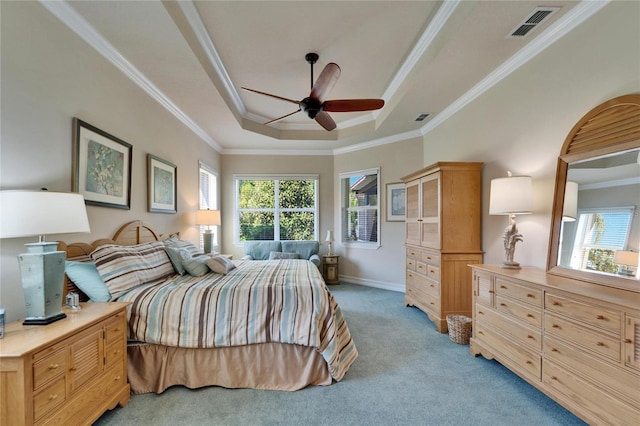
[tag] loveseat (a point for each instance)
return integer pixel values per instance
(264, 250)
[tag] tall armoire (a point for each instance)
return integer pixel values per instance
(443, 215)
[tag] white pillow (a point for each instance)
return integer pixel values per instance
(220, 264)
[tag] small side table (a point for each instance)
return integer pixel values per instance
(330, 265)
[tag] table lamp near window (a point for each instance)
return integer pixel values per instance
(627, 262)
(511, 196)
(31, 213)
(329, 239)
(208, 218)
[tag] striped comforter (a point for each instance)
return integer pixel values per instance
(282, 301)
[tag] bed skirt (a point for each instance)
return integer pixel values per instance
(270, 366)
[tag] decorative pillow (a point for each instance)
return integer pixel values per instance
(176, 243)
(282, 255)
(220, 264)
(124, 267)
(177, 256)
(196, 266)
(86, 277)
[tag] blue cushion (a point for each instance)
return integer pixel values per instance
(280, 255)
(196, 266)
(177, 256)
(260, 250)
(86, 277)
(305, 249)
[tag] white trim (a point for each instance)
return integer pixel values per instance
(364, 245)
(611, 183)
(75, 22)
(372, 283)
(272, 152)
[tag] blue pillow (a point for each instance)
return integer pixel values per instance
(196, 266)
(177, 256)
(86, 277)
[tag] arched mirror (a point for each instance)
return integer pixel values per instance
(595, 228)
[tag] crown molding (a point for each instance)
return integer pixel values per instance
(76, 23)
(293, 152)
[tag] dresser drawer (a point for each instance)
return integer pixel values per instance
(411, 264)
(418, 295)
(115, 329)
(413, 253)
(431, 258)
(521, 311)
(433, 272)
(50, 366)
(49, 398)
(596, 316)
(115, 353)
(526, 294)
(582, 336)
(516, 357)
(421, 268)
(605, 375)
(516, 330)
(600, 407)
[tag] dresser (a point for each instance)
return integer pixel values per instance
(577, 342)
(443, 212)
(67, 372)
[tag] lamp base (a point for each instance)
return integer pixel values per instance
(44, 321)
(510, 265)
(207, 238)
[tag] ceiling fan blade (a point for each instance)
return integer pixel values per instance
(349, 105)
(325, 82)
(284, 116)
(273, 96)
(325, 121)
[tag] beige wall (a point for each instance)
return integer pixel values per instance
(49, 76)
(261, 164)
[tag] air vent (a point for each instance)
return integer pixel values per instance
(421, 117)
(535, 18)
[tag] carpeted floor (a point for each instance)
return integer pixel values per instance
(407, 374)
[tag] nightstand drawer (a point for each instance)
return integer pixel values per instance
(115, 329)
(114, 353)
(330, 260)
(49, 367)
(50, 397)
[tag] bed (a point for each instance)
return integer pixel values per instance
(264, 325)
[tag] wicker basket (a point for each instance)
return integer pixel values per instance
(459, 328)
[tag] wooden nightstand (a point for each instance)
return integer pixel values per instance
(330, 265)
(67, 372)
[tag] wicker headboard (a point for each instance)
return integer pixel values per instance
(136, 232)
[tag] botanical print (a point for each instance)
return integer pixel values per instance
(397, 202)
(163, 186)
(105, 167)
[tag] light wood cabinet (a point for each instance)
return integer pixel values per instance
(442, 237)
(67, 372)
(577, 342)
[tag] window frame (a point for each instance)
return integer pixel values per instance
(276, 209)
(213, 205)
(345, 209)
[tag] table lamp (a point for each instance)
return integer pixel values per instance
(208, 218)
(627, 261)
(329, 239)
(570, 206)
(31, 213)
(511, 196)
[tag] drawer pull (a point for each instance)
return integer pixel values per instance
(556, 326)
(600, 317)
(480, 313)
(503, 304)
(554, 378)
(52, 397)
(480, 332)
(529, 337)
(529, 362)
(531, 296)
(116, 378)
(53, 367)
(530, 316)
(554, 303)
(491, 291)
(600, 344)
(628, 341)
(554, 350)
(502, 286)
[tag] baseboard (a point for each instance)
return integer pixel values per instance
(372, 283)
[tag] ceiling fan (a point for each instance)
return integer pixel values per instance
(315, 105)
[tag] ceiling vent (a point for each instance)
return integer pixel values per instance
(535, 18)
(421, 117)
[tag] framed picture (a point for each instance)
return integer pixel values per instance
(396, 202)
(102, 167)
(162, 180)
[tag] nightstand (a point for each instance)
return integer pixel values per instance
(67, 372)
(330, 265)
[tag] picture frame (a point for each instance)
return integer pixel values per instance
(102, 167)
(162, 185)
(396, 202)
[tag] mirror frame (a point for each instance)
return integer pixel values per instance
(613, 126)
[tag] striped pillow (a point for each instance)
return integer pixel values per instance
(124, 267)
(176, 243)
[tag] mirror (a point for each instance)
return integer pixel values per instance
(595, 233)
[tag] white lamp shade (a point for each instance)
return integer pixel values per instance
(626, 258)
(208, 217)
(329, 236)
(511, 195)
(570, 207)
(30, 213)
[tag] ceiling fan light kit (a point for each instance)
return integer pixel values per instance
(315, 105)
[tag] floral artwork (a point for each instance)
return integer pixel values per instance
(162, 185)
(102, 167)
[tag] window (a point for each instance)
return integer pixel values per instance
(360, 208)
(599, 233)
(276, 207)
(208, 197)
